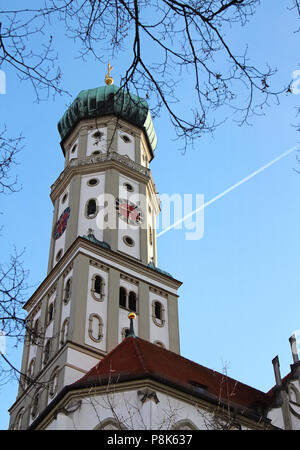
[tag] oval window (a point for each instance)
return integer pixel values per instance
(64, 198)
(128, 187)
(125, 139)
(59, 255)
(97, 135)
(128, 241)
(74, 148)
(93, 182)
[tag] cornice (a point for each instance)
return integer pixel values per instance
(112, 258)
(102, 162)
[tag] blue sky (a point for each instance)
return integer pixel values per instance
(239, 302)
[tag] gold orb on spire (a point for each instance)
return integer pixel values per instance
(131, 315)
(108, 79)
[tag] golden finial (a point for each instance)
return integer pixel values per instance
(108, 79)
(131, 316)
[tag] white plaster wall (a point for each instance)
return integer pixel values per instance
(159, 333)
(123, 193)
(77, 364)
(89, 192)
(295, 414)
(60, 242)
(126, 148)
(128, 409)
(96, 307)
(94, 144)
(126, 229)
(276, 417)
(294, 405)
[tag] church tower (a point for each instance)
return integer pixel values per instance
(103, 253)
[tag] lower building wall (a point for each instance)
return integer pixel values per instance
(132, 410)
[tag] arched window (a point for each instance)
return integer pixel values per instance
(122, 297)
(47, 350)
(184, 424)
(35, 405)
(18, 421)
(53, 383)
(50, 312)
(98, 284)
(34, 332)
(128, 301)
(158, 313)
(157, 310)
(91, 208)
(68, 286)
(95, 327)
(97, 289)
(31, 368)
(64, 332)
(110, 424)
(132, 301)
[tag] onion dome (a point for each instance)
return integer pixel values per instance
(109, 100)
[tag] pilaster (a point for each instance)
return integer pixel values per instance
(72, 229)
(79, 299)
(82, 142)
(112, 137)
(113, 309)
(144, 311)
(173, 324)
(52, 242)
(110, 236)
(57, 317)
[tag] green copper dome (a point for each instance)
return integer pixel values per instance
(106, 100)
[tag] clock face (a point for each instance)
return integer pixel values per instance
(61, 224)
(129, 212)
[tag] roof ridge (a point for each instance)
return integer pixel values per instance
(139, 354)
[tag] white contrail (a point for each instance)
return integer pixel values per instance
(229, 189)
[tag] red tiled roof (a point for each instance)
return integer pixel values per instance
(135, 358)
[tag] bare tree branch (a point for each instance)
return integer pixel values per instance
(176, 39)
